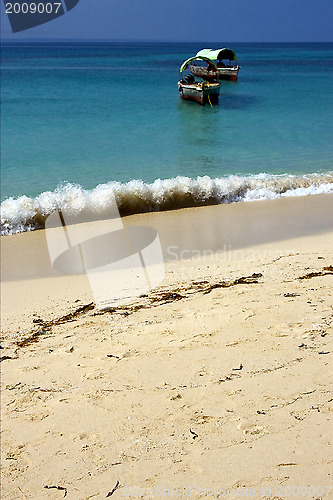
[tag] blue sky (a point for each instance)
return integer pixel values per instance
(188, 20)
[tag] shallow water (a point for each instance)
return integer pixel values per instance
(89, 114)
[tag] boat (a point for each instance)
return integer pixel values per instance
(207, 89)
(225, 61)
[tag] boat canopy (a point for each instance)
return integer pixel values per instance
(218, 54)
(203, 58)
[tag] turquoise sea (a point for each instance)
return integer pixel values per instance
(81, 120)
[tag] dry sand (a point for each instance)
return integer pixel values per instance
(219, 379)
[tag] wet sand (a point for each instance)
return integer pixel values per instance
(218, 379)
(192, 231)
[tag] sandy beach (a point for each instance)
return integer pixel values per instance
(216, 384)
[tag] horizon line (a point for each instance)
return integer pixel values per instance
(133, 40)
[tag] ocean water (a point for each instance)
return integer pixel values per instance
(82, 120)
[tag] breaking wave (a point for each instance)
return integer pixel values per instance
(26, 214)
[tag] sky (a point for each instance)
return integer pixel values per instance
(187, 20)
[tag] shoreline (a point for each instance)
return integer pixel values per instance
(190, 232)
(25, 213)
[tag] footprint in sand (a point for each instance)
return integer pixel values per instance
(253, 430)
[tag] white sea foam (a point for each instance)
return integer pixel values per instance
(25, 214)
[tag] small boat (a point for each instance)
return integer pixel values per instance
(225, 61)
(206, 90)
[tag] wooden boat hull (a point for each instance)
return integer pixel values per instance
(200, 92)
(224, 73)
